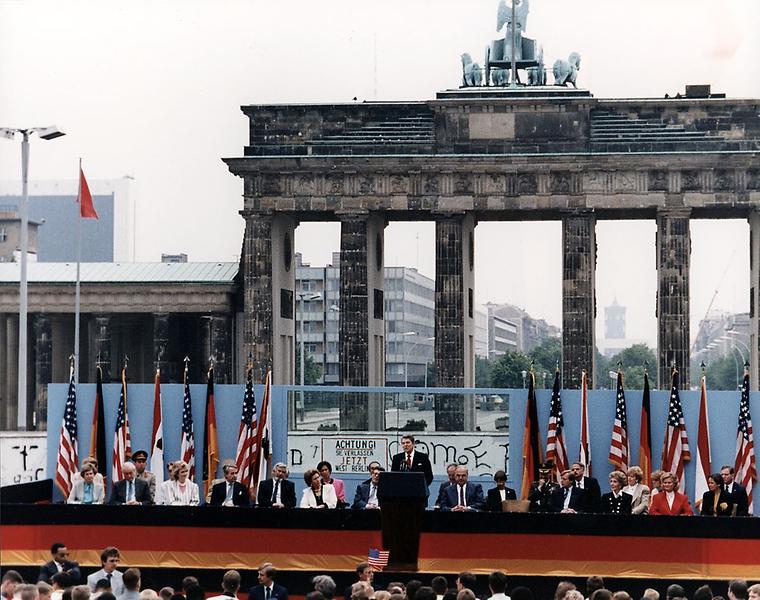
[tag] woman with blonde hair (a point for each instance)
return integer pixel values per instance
(178, 490)
(638, 491)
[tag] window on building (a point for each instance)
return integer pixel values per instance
(3, 234)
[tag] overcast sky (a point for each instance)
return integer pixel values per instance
(153, 89)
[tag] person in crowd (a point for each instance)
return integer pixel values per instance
(26, 591)
(148, 595)
(102, 586)
(366, 492)
(84, 490)
(573, 595)
(80, 592)
(195, 592)
(59, 563)
(424, 593)
(109, 560)
(325, 470)
(592, 493)
(277, 492)
(498, 494)
(703, 593)
(754, 592)
(656, 482)
(541, 491)
(738, 590)
(521, 593)
(314, 595)
(361, 590)
(737, 491)
(396, 587)
(466, 581)
(562, 588)
(603, 594)
(716, 501)
(140, 459)
(466, 594)
(450, 470)
(622, 595)
(166, 592)
(317, 494)
(230, 492)
(178, 490)
(412, 587)
(638, 491)
(440, 586)
(463, 496)
(364, 574)
(177, 595)
(412, 460)
(593, 583)
(650, 594)
(98, 479)
(674, 590)
(617, 502)
(382, 595)
(10, 581)
(670, 501)
(187, 583)
(267, 589)
(568, 498)
(131, 580)
(325, 585)
(230, 585)
(130, 490)
(497, 583)
(44, 590)
(60, 582)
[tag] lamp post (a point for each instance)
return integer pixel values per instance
(46, 133)
(524, 375)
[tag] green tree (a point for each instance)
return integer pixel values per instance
(633, 360)
(548, 354)
(312, 371)
(723, 374)
(601, 371)
(506, 371)
(482, 372)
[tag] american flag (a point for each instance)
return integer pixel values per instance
(157, 443)
(745, 468)
(675, 451)
(67, 446)
(584, 454)
(247, 446)
(620, 449)
(122, 446)
(264, 435)
(378, 559)
(187, 446)
(555, 439)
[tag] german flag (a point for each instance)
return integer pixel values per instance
(645, 439)
(210, 440)
(98, 431)
(531, 445)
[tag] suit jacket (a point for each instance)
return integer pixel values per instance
(659, 505)
(77, 493)
(240, 495)
(287, 493)
(420, 463)
(593, 495)
(493, 501)
(473, 497)
(362, 496)
(278, 591)
(540, 496)
(577, 499)
(641, 496)
(309, 500)
(151, 479)
(441, 492)
(740, 500)
(708, 504)
(119, 492)
(49, 569)
(617, 506)
(117, 585)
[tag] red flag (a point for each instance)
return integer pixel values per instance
(703, 447)
(745, 467)
(584, 455)
(645, 439)
(157, 444)
(675, 450)
(264, 434)
(531, 447)
(86, 207)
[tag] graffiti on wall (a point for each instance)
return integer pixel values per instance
(24, 455)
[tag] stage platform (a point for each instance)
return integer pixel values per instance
(334, 541)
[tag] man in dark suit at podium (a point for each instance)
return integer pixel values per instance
(411, 460)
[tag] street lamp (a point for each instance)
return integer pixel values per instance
(524, 375)
(46, 133)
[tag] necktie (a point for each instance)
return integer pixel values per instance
(268, 593)
(567, 490)
(409, 462)
(229, 493)
(372, 494)
(130, 491)
(108, 576)
(274, 498)
(461, 495)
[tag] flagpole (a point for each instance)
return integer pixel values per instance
(79, 260)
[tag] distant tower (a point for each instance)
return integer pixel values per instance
(614, 321)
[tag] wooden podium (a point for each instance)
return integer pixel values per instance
(403, 498)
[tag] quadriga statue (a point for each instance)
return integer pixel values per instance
(566, 71)
(471, 75)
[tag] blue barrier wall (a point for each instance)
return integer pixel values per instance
(723, 409)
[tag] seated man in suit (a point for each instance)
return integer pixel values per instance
(411, 460)
(463, 496)
(59, 564)
(593, 493)
(500, 493)
(450, 470)
(230, 492)
(130, 490)
(109, 559)
(737, 491)
(567, 498)
(267, 589)
(366, 492)
(277, 492)
(617, 502)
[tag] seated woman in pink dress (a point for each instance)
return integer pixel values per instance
(325, 470)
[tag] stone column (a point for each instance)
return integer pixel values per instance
(362, 347)
(454, 319)
(4, 351)
(11, 369)
(217, 346)
(43, 352)
(102, 354)
(754, 298)
(673, 259)
(578, 297)
(268, 292)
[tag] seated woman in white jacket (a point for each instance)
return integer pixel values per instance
(640, 492)
(85, 489)
(178, 490)
(317, 494)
